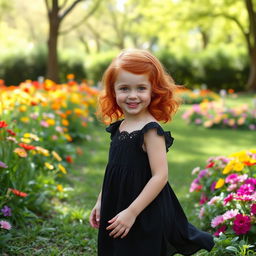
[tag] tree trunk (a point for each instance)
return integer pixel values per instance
(52, 62)
(251, 83)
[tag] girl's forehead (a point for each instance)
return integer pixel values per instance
(126, 76)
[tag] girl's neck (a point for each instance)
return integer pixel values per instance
(139, 119)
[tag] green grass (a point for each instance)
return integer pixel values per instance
(65, 231)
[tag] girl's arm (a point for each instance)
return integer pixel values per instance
(156, 150)
(95, 213)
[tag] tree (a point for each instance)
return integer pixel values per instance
(56, 14)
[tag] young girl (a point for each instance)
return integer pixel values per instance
(137, 212)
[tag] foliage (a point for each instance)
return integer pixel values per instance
(38, 122)
(21, 66)
(217, 115)
(227, 190)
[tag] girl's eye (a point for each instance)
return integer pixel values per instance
(123, 88)
(142, 88)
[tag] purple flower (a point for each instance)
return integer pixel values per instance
(6, 211)
(3, 165)
(202, 173)
(213, 186)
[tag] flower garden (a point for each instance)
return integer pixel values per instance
(226, 191)
(217, 115)
(45, 129)
(39, 122)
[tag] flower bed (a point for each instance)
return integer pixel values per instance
(226, 191)
(38, 122)
(215, 114)
(197, 96)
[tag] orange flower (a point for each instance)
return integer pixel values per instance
(20, 152)
(3, 124)
(70, 76)
(18, 193)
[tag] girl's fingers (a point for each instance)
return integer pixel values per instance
(120, 232)
(115, 230)
(113, 219)
(125, 232)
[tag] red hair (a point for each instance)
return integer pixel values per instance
(163, 101)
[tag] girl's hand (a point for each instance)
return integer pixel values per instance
(122, 223)
(95, 216)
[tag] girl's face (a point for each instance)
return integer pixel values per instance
(133, 93)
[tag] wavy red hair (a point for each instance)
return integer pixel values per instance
(163, 103)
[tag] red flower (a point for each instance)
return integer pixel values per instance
(249, 163)
(221, 229)
(26, 146)
(3, 124)
(253, 209)
(18, 193)
(69, 159)
(211, 164)
(11, 132)
(242, 224)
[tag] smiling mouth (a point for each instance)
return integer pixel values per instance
(133, 105)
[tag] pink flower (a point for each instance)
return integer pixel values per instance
(242, 224)
(214, 200)
(203, 199)
(228, 199)
(246, 189)
(44, 123)
(217, 221)
(222, 229)
(230, 214)
(5, 225)
(201, 213)
(251, 181)
(232, 187)
(242, 178)
(244, 197)
(232, 178)
(253, 209)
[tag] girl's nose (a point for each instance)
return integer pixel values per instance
(132, 94)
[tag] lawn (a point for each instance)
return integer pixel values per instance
(65, 231)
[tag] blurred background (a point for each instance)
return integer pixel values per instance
(207, 43)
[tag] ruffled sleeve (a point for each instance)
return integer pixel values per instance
(153, 125)
(112, 128)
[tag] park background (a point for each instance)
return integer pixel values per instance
(53, 148)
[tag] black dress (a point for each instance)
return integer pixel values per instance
(161, 229)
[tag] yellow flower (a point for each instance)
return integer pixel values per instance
(50, 121)
(78, 111)
(60, 188)
(42, 151)
(31, 136)
(24, 119)
(25, 140)
(208, 123)
(56, 156)
(231, 122)
(65, 122)
(238, 166)
(62, 168)
(49, 166)
(220, 183)
(68, 137)
(22, 108)
(20, 152)
(242, 156)
(253, 151)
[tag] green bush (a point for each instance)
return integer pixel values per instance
(214, 68)
(19, 67)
